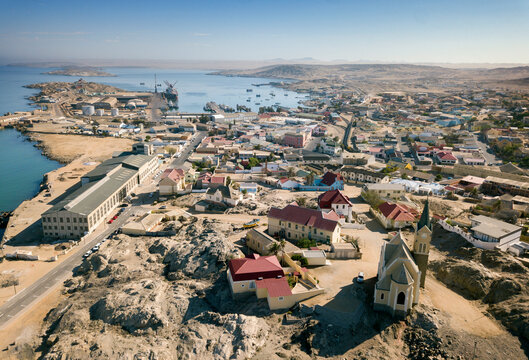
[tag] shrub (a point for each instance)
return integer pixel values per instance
(305, 243)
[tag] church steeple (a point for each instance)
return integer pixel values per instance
(425, 217)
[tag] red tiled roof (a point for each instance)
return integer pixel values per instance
(330, 197)
(173, 174)
(254, 268)
(446, 156)
(330, 178)
(396, 212)
(304, 216)
(275, 287)
(217, 180)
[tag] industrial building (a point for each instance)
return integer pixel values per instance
(97, 194)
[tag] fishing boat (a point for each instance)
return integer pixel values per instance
(251, 224)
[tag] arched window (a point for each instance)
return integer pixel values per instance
(401, 298)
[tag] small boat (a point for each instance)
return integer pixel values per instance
(257, 103)
(249, 90)
(251, 224)
(249, 100)
(258, 95)
(142, 84)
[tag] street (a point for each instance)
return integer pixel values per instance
(180, 160)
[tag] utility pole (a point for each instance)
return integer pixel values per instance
(15, 287)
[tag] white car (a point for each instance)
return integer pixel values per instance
(360, 277)
(87, 254)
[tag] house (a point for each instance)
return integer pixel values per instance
(222, 195)
(287, 184)
(264, 276)
(260, 242)
(335, 200)
(172, 181)
(401, 273)
(329, 181)
(395, 216)
(445, 158)
(356, 174)
(295, 222)
(493, 233)
(295, 140)
(386, 191)
(140, 227)
(243, 273)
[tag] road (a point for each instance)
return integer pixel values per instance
(490, 158)
(184, 155)
(39, 288)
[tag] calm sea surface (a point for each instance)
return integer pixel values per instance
(22, 165)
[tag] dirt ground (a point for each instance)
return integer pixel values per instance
(31, 321)
(66, 148)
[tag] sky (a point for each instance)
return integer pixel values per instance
(415, 31)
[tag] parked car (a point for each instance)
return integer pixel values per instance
(87, 254)
(163, 207)
(110, 221)
(360, 277)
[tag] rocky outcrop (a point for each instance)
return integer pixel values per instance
(496, 278)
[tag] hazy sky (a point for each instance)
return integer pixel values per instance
(374, 30)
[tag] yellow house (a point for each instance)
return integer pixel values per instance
(295, 223)
(402, 273)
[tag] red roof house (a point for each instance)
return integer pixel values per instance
(328, 198)
(255, 267)
(275, 287)
(396, 216)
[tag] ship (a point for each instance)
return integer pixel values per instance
(170, 93)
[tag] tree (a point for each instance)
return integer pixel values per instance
(170, 150)
(290, 172)
(404, 176)
(228, 181)
(310, 178)
(302, 201)
(372, 198)
(203, 119)
(148, 138)
(305, 243)
(438, 177)
(277, 247)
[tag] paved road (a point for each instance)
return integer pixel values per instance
(490, 158)
(184, 155)
(35, 291)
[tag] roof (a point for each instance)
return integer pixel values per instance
(493, 227)
(401, 275)
(275, 287)
(396, 212)
(388, 186)
(253, 268)
(88, 197)
(446, 156)
(224, 190)
(173, 174)
(300, 215)
(425, 217)
(332, 197)
(330, 178)
(217, 179)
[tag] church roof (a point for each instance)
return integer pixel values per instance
(401, 275)
(425, 217)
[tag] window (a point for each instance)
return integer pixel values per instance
(296, 226)
(74, 220)
(252, 284)
(401, 298)
(67, 220)
(61, 219)
(281, 298)
(62, 227)
(69, 227)
(381, 296)
(289, 225)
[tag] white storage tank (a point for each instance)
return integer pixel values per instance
(114, 112)
(88, 110)
(100, 112)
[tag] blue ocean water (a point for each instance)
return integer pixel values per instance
(22, 165)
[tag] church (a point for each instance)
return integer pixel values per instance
(402, 272)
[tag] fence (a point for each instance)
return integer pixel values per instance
(477, 243)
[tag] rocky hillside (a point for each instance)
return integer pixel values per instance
(495, 278)
(168, 298)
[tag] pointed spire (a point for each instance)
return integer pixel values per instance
(425, 217)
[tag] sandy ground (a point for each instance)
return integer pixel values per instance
(30, 322)
(66, 148)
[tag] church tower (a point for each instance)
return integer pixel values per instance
(423, 237)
